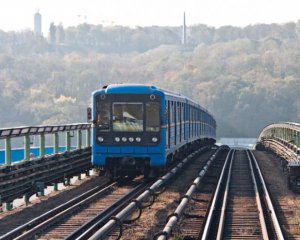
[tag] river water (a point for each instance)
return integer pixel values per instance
(238, 142)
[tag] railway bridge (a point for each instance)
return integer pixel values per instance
(53, 154)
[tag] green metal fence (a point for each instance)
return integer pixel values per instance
(13, 186)
(8, 135)
(287, 133)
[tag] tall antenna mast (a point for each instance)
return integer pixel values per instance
(183, 31)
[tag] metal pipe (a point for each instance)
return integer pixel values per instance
(7, 151)
(88, 137)
(56, 143)
(55, 186)
(26, 147)
(42, 145)
(79, 138)
(68, 141)
(8, 206)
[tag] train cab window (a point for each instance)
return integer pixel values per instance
(103, 116)
(127, 117)
(152, 117)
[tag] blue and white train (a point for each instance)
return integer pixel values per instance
(139, 129)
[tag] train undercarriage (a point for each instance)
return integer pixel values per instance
(131, 167)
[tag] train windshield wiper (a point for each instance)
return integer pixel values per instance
(103, 126)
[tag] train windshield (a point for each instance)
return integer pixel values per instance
(152, 117)
(127, 117)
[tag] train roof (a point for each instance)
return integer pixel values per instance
(144, 89)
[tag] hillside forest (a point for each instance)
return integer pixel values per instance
(247, 77)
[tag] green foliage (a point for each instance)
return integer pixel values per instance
(247, 77)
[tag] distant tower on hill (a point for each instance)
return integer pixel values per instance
(183, 41)
(38, 24)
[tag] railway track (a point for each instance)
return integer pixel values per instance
(153, 219)
(66, 218)
(286, 202)
(242, 208)
(118, 225)
(193, 222)
(166, 201)
(67, 227)
(78, 217)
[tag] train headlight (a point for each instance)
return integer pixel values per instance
(154, 139)
(131, 139)
(117, 139)
(152, 97)
(124, 139)
(100, 139)
(138, 139)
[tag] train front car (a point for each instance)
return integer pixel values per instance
(127, 133)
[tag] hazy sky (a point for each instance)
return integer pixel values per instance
(18, 14)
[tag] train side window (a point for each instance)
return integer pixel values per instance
(189, 114)
(174, 109)
(169, 123)
(166, 112)
(183, 120)
(103, 116)
(171, 112)
(191, 117)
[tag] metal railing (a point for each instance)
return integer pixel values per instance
(31, 174)
(287, 134)
(7, 134)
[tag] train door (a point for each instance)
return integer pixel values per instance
(178, 122)
(169, 123)
(201, 123)
(175, 122)
(184, 119)
(181, 121)
(166, 114)
(192, 119)
(204, 122)
(189, 120)
(186, 124)
(198, 122)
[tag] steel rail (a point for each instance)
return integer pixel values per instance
(271, 210)
(257, 198)
(30, 228)
(225, 199)
(86, 230)
(258, 202)
(208, 223)
(136, 204)
(174, 217)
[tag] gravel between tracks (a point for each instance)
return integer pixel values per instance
(23, 214)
